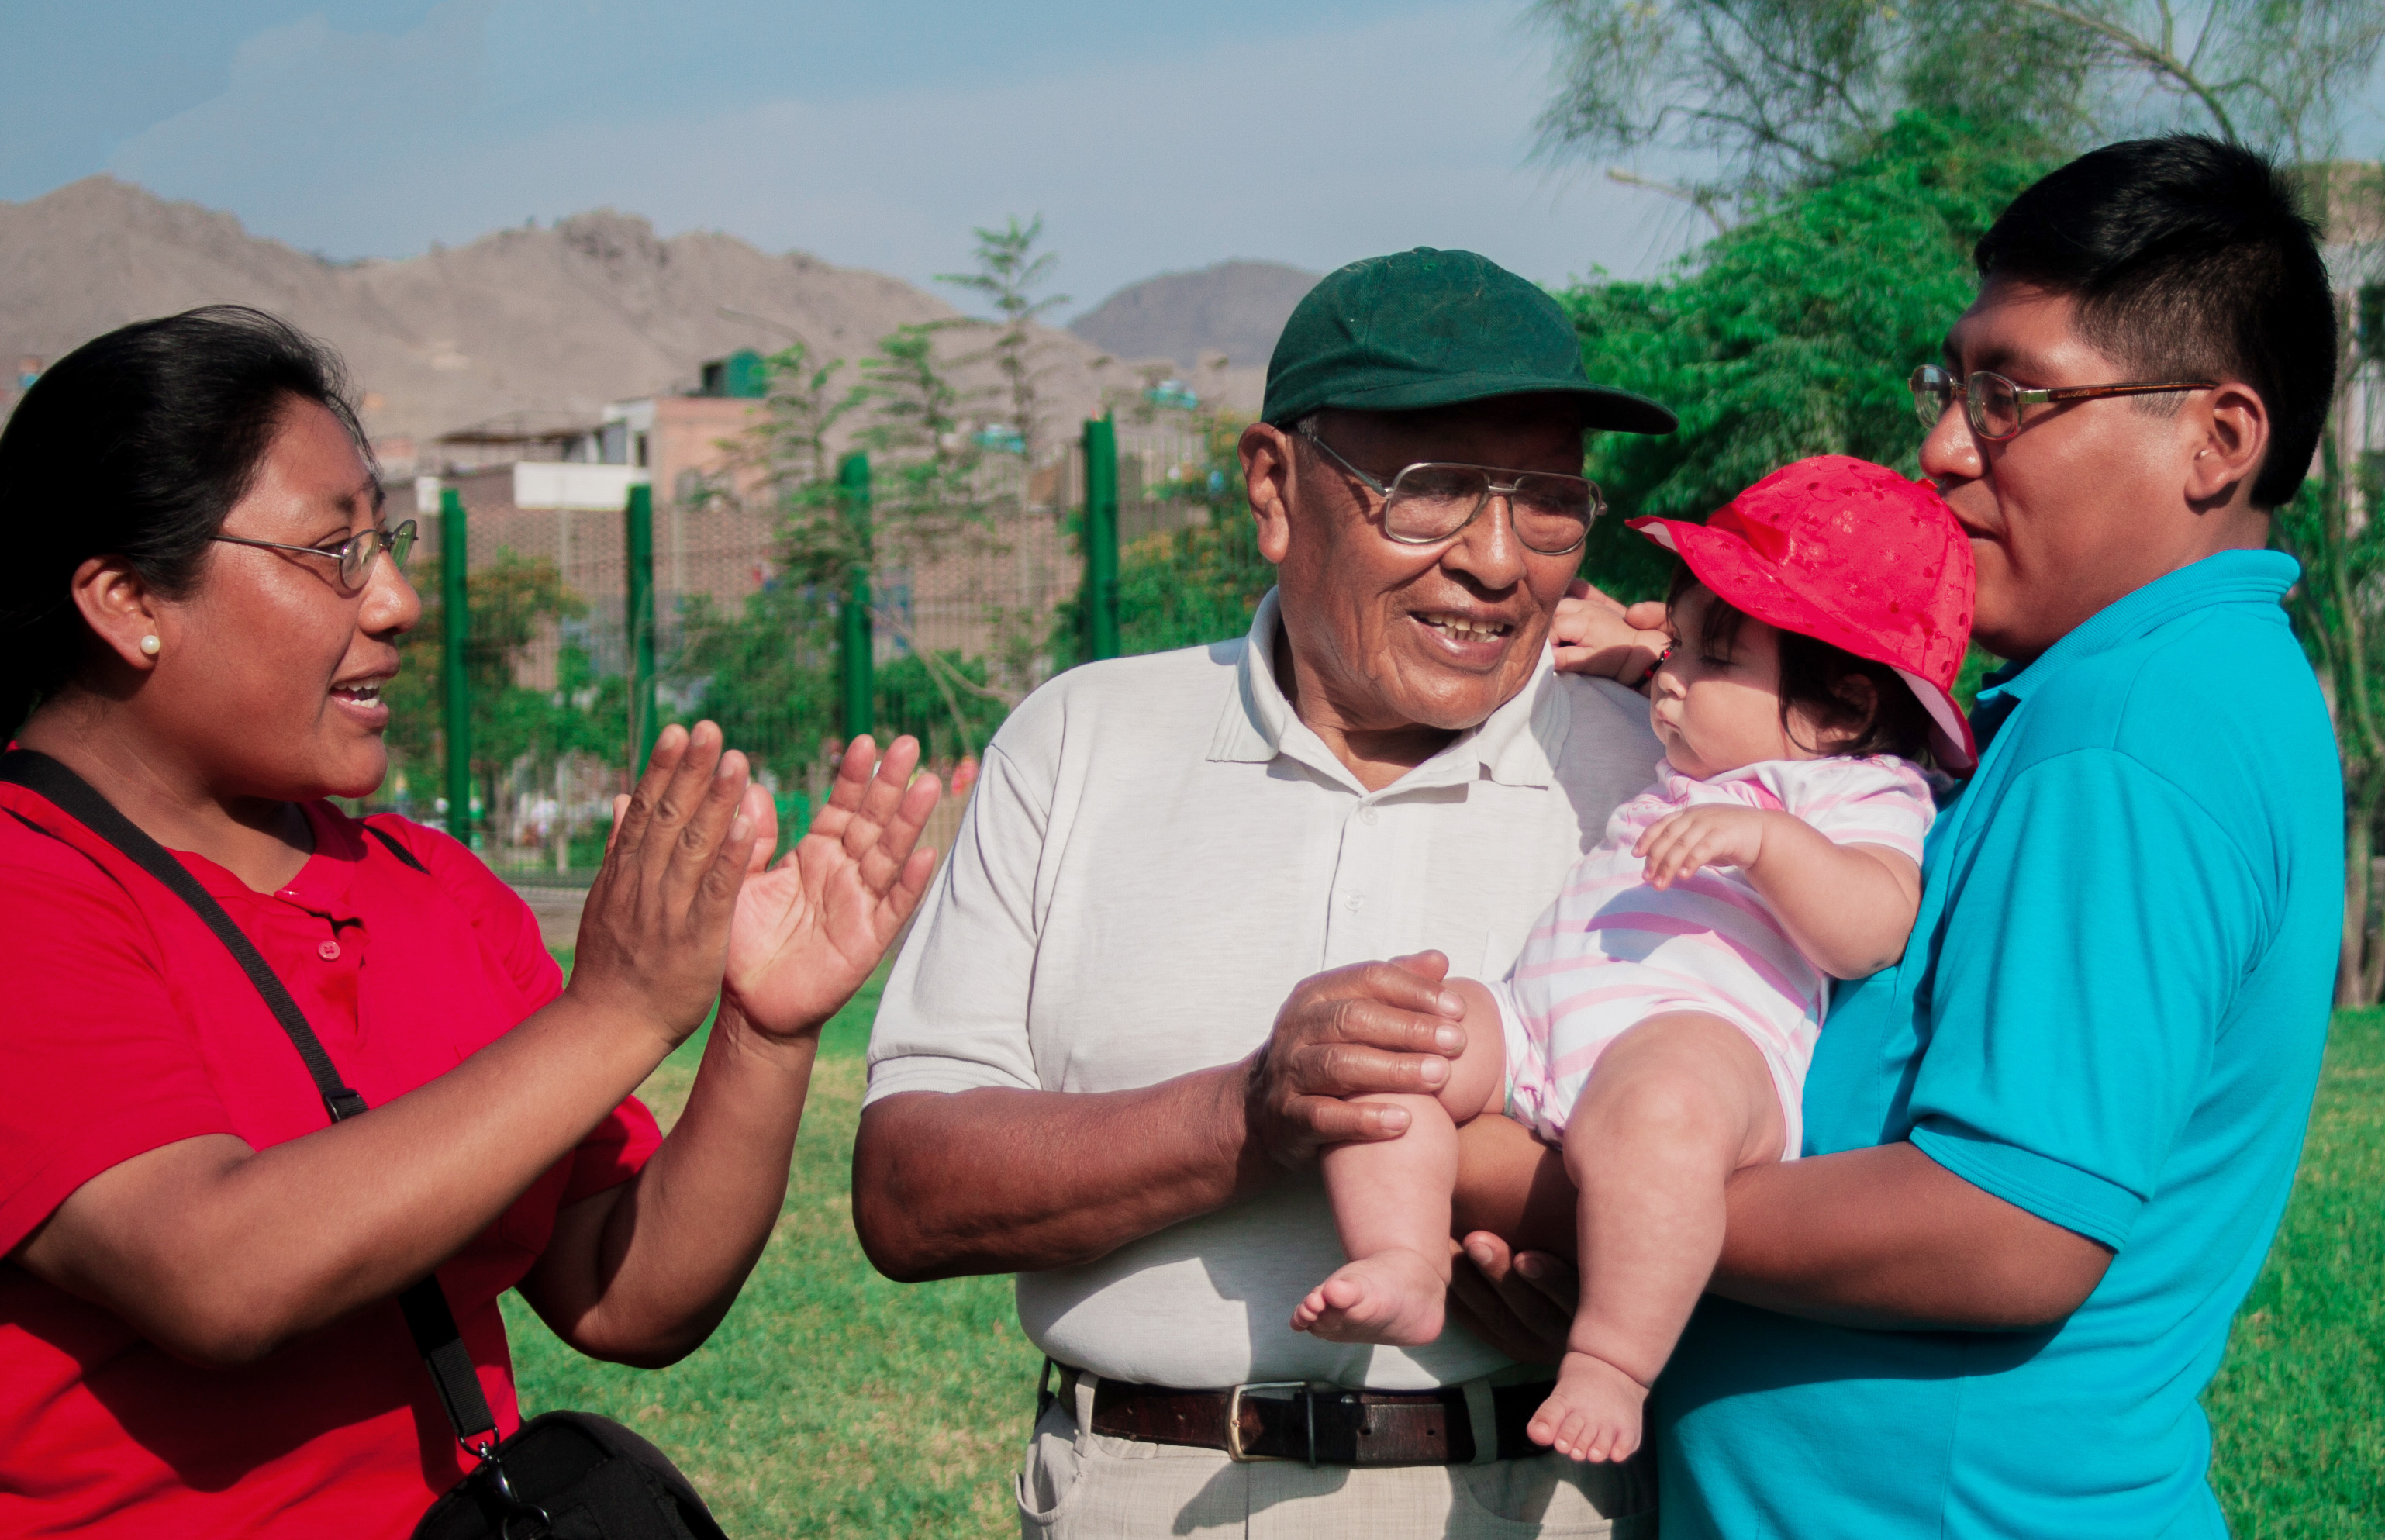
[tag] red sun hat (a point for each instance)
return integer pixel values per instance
(1852, 554)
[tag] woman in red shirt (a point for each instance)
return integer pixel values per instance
(198, 1333)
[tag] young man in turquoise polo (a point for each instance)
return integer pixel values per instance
(2046, 1151)
(2052, 1144)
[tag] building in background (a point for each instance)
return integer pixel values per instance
(546, 487)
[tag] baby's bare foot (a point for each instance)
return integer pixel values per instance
(1393, 1296)
(1593, 1413)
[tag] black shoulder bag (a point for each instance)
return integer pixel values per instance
(570, 1475)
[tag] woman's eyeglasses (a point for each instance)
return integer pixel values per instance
(1993, 403)
(355, 554)
(1431, 500)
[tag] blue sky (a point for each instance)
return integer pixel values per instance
(1151, 138)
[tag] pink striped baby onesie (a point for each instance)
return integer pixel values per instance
(1611, 951)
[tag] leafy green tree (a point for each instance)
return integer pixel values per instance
(2336, 614)
(1761, 94)
(511, 601)
(1010, 273)
(2274, 75)
(1183, 587)
(2339, 607)
(765, 669)
(925, 467)
(908, 695)
(784, 459)
(937, 494)
(1793, 333)
(764, 672)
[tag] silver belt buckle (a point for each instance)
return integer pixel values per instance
(1234, 1450)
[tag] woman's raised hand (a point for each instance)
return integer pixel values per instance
(654, 936)
(810, 930)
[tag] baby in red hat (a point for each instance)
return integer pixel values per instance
(1658, 1024)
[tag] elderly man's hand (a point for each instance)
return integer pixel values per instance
(1519, 1302)
(1370, 1029)
(1594, 635)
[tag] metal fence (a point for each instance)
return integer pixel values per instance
(960, 630)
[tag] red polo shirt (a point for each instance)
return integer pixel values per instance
(124, 1025)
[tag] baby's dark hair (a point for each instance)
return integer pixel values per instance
(1814, 678)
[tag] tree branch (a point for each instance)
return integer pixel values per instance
(2156, 55)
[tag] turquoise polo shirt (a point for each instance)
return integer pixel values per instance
(2110, 1014)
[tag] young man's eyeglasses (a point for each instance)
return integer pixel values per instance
(355, 554)
(1993, 403)
(1430, 501)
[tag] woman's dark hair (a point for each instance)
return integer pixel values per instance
(137, 444)
(1814, 679)
(2188, 259)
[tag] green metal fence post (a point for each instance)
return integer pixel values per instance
(1101, 538)
(455, 632)
(645, 724)
(853, 629)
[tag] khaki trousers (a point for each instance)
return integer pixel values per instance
(1081, 1486)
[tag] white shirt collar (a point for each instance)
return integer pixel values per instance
(1516, 745)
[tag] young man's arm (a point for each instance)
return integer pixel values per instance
(1881, 1237)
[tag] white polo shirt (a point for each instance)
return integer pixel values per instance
(1158, 850)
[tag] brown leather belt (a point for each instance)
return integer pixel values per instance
(1319, 1424)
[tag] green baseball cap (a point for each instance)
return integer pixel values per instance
(1428, 328)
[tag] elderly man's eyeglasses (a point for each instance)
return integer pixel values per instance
(1993, 403)
(1432, 500)
(355, 554)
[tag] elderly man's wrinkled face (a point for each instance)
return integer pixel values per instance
(1436, 636)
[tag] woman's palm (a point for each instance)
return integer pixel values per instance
(810, 930)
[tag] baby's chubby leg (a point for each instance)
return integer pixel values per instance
(1391, 1199)
(1672, 1108)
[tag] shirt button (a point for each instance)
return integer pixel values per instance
(328, 951)
(1356, 901)
(1367, 815)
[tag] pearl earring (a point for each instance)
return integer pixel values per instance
(150, 646)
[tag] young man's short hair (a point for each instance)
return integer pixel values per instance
(2190, 259)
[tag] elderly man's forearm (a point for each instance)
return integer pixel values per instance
(1005, 1180)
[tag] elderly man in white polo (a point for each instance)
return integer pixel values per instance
(1138, 993)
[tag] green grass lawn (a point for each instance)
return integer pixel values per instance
(832, 1402)
(2298, 1410)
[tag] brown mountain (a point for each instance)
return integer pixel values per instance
(1236, 308)
(553, 322)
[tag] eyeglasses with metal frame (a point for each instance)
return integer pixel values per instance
(355, 554)
(1992, 404)
(1433, 500)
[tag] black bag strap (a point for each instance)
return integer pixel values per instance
(424, 1305)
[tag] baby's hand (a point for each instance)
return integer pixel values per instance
(1678, 844)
